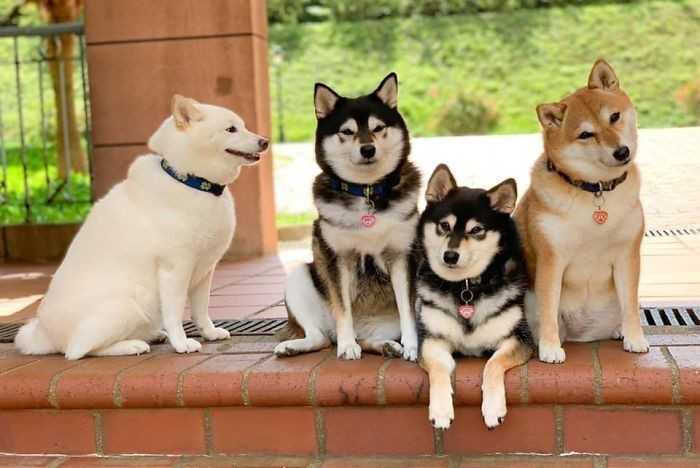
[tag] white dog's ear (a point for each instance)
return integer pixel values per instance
(440, 184)
(603, 76)
(184, 111)
(325, 100)
(388, 90)
(551, 115)
(503, 196)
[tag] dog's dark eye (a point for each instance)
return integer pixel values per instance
(232, 129)
(445, 226)
(614, 117)
(379, 128)
(347, 132)
(476, 230)
(585, 135)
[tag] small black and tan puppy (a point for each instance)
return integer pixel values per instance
(471, 281)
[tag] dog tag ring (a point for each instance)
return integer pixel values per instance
(369, 219)
(600, 216)
(466, 310)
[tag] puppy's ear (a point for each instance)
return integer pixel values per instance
(502, 197)
(603, 76)
(325, 100)
(184, 111)
(388, 90)
(440, 184)
(551, 115)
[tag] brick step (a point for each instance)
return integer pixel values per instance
(499, 461)
(236, 398)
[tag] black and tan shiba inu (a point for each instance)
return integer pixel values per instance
(582, 222)
(356, 290)
(471, 281)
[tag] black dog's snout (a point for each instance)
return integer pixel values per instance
(621, 153)
(367, 151)
(450, 257)
(263, 143)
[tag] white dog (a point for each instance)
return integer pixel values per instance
(150, 243)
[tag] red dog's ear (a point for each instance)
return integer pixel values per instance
(184, 111)
(551, 115)
(603, 76)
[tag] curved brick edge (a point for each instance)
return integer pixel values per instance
(246, 374)
(352, 431)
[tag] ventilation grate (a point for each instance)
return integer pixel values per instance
(235, 327)
(670, 316)
(683, 231)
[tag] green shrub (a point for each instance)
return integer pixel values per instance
(688, 96)
(466, 115)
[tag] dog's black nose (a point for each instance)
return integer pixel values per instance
(263, 143)
(367, 151)
(621, 153)
(450, 257)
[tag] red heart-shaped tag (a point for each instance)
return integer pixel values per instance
(368, 220)
(600, 216)
(466, 311)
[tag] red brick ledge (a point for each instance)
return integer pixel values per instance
(246, 374)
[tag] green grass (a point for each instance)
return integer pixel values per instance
(70, 204)
(516, 60)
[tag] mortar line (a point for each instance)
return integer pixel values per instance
(524, 382)
(53, 383)
(19, 366)
(687, 430)
(208, 433)
(116, 389)
(313, 377)
(600, 461)
(676, 390)
(438, 441)
(320, 426)
(244, 380)
(381, 374)
(597, 375)
(559, 429)
(179, 390)
(99, 433)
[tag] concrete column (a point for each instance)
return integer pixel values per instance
(142, 52)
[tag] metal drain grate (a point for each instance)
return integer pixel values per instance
(235, 327)
(670, 316)
(684, 231)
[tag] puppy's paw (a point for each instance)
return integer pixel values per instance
(285, 349)
(349, 351)
(617, 334)
(551, 352)
(187, 346)
(410, 348)
(392, 349)
(494, 410)
(441, 412)
(214, 334)
(136, 347)
(636, 345)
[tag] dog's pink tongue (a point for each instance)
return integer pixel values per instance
(466, 311)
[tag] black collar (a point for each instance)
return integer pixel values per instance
(197, 183)
(593, 187)
(381, 189)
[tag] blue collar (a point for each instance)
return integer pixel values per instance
(379, 190)
(197, 183)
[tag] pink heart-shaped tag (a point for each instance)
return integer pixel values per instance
(368, 220)
(466, 311)
(600, 216)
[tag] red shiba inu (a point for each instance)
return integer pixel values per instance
(582, 222)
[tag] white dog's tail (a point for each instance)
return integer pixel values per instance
(32, 339)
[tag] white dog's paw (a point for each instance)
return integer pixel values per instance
(286, 349)
(349, 351)
(410, 347)
(617, 334)
(136, 347)
(187, 346)
(214, 334)
(494, 410)
(552, 353)
(636, 345)
(441, 412)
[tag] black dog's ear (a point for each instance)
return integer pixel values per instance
(325, 100)
(388, 90)
(503, 196)
(440, 184)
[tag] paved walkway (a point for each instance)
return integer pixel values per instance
(669, 160)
